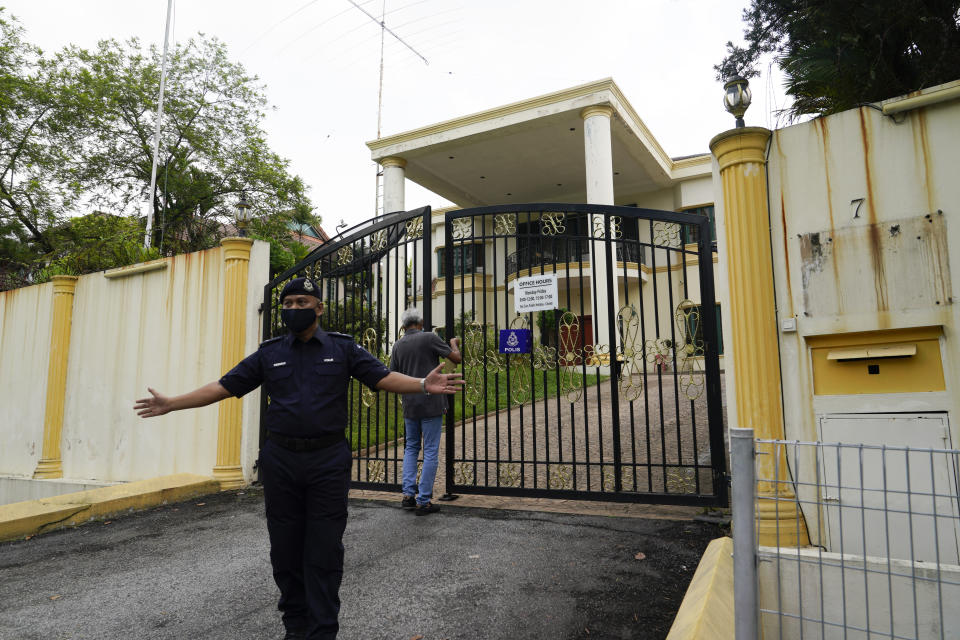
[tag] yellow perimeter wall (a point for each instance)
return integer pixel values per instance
(160, 328)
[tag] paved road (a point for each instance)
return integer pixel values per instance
(200, 570)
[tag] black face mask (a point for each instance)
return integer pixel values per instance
(298, 319)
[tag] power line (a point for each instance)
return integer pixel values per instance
(275, 25)
(337, 39)
(315, 27)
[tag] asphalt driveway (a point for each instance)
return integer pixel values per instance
(200, 570)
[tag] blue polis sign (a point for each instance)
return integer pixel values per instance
(515, 340)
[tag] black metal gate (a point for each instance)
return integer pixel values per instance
(367, 278)
(590, 350)
(605, 385)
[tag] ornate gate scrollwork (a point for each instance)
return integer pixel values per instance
(462, 228)
(463, 472)
(509, 474)
(367, 396)
(520, 388)
(690, 367)
(571, 386)
(414, 228)
(376, 471)
(473, 363)
(681, 480)
(666, 234)
(631, 371)
(505, 224)
(560, 477)
(551, 224)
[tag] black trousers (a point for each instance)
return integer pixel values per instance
(306, 502)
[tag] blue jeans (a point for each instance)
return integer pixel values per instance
(429, 429)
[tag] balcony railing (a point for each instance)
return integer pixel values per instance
(573, 253)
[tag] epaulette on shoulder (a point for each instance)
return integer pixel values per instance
(270, 341)
(345, 336)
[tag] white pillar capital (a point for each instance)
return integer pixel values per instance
(597, 110)
(393, 161)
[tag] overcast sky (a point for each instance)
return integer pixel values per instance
(320, 63)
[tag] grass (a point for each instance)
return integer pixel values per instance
(382, 422)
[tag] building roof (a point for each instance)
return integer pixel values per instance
(532, 151)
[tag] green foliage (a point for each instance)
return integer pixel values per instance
(837, 54)
(351, 313)
(284, 231)
(76, 134)
(547, 322)
(40, 127)
(383, 422)
(212, 145)
(97, 242)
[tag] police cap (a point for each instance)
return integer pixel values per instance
(300, 286)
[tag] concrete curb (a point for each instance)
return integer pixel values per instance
(706, 612)
(33, 517)
(548, 505)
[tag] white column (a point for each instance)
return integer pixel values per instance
(393, 200)
(393, 181)
(598, 156)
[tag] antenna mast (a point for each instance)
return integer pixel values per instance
(383, 31)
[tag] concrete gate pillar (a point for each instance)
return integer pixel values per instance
(236, 254)
(741, 155)
(51, 463)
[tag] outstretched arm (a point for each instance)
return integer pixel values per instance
(437, 382)
(159, 404)
(455, 356)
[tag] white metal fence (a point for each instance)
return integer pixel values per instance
(884, 530)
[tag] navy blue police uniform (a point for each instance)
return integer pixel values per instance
(305, 465)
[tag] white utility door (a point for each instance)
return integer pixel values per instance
(895, 497)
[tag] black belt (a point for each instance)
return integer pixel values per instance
(306, 444)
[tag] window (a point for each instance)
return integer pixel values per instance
(467, 258)
(695, 330)
(692, 234)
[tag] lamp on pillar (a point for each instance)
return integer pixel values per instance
(736, 97)
(244, 214)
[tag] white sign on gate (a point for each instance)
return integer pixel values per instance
(535, 293)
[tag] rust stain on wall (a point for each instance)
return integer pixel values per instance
(825, 140)
(873, 233)
(913, 251)
(921, 125)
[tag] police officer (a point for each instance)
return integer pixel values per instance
(305, 463)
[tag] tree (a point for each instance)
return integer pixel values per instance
(837, 54)
(40, 115)
(95, 242)
(76, 134)
(211, 148)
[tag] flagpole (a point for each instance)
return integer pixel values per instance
(156, 132)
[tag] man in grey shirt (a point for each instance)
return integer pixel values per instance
(415, 354)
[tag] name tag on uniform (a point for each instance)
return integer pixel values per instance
(328, 359)
(279, 364)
